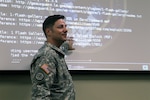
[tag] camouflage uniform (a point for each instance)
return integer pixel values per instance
(49, 74)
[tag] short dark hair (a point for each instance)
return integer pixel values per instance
(50, 21)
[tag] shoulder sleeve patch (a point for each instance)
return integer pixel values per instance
(45, 68)
(39, 76)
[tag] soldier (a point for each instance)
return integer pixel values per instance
(50, 77)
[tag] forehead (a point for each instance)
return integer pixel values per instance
(60, 22)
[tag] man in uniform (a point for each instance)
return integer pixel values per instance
(50, 77)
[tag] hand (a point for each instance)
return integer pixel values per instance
(70, 42)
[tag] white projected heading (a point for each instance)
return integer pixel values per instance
(107, 34)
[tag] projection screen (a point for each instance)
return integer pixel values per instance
(108, 34)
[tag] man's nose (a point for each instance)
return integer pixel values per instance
(65, 30)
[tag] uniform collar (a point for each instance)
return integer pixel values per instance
(54, 48)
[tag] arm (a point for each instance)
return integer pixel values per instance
(70, 43)
(67, 45)
(42, 78)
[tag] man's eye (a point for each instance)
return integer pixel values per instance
(62, 26)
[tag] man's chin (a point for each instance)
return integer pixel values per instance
(65, 39)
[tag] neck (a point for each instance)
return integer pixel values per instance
(57, 44)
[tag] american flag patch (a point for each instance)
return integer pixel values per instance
(45, 68)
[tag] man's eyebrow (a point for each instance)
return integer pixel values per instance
(60, 25)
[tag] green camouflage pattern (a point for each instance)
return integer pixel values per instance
(56, 83)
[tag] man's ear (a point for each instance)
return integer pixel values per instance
(48, 32)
